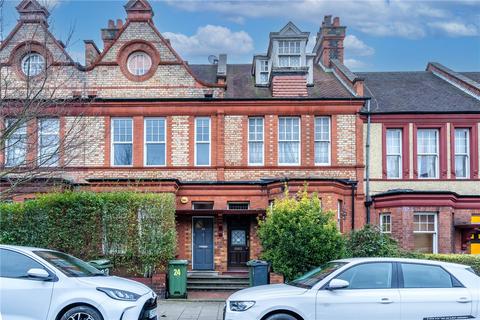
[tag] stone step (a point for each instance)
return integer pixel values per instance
(214, 288)
(216, 281)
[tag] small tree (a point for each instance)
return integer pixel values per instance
(297, 235)
(370, 242)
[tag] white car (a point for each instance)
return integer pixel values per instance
(41, 284)
(365, 288)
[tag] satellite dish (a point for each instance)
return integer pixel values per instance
(212, 59)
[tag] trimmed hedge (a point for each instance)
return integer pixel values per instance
(466, 259)
(136, 231)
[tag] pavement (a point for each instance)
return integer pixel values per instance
(190, 310)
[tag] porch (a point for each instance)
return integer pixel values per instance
(220, 241)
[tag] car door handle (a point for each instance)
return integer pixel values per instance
(464, 300)
(386, 301)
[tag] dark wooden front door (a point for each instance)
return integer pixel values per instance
(238, 241)
(202, 243)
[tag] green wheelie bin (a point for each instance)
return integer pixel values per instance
(103, 265)
(177, 279)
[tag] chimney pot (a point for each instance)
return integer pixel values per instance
(111, 24)
(119, 23)
(336, 22)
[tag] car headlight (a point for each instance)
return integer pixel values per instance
(241, 305)
(118, 294)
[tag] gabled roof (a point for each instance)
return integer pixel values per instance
(289, 30)
(415, 92)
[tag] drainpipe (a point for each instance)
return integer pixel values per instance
(353, 184)
(368, 201)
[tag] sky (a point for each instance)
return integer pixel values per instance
(382, 35)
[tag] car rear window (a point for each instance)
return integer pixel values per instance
(471, 270)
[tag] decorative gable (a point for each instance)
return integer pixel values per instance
(32, 11)
(138, 10)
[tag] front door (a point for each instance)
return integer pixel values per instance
(202, 243)
(238, 242)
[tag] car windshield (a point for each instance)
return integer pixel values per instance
(70, 266)
(312, 277)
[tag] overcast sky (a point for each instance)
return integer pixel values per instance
(381, 34)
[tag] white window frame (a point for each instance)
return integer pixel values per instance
(39, 137)
(146, 63)
(299, 142)
(112, 143)
(329, 141)
(437, 155)
(434, 233)
(264, 70)
(339, 213)
(22, 130)
(146, 143)
(467, 154)
(257, 141)
(38, 66)
(204, 142)
(399, 155)
(385, 223)
(289, 53)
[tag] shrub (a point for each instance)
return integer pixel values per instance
(370, 242)
(297, 235)
(466, 259)
(136, 231)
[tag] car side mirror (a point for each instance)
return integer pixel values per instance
(336, 284)
(38, 274)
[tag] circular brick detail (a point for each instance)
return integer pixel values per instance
(133, 46)
(28, 47)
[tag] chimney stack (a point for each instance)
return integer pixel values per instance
(222, 69)
(91, 52)
(329, 44)
(110, 33)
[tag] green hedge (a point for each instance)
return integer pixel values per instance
(136, 231)
(466, 259)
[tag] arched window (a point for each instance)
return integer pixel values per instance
(33, 64)
(139, 63)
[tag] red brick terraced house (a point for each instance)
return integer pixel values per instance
(424, 157)
(225, 139)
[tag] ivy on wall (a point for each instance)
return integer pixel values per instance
(134, 230)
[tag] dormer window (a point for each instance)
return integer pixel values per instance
(288, 53)
(264, 71)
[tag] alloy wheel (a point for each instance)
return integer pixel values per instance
(80, 316)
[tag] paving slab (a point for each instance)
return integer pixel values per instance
(190, 310)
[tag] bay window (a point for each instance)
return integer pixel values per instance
(48, 141)
(255, 141)
(322, 140)
(462, 153)
(16, 143)
(122, 141)
(428, 153)
(202, 141)
(386, 223)
(425, 232)
(289, 141)
(394, 153)
(155, 142)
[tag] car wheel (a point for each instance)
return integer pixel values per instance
(281, 316)
(81, 313)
